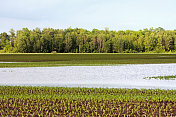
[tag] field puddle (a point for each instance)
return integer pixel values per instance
(125, 76)
(10, 62)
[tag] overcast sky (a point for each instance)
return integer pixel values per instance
(87, 14)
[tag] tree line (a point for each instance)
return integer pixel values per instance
(80, 40)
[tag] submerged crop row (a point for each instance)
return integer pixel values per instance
(58, 101)
(173, 77)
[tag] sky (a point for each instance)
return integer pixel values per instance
(87, 14)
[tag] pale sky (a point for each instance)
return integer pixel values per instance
(87, 14)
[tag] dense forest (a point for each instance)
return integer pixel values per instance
(84, 41)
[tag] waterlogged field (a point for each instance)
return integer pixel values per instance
(146, 81)
(72, 59)
(121, 76)
(54, 101)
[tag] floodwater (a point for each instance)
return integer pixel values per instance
(10, 62)
(124, 76)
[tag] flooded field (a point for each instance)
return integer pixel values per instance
(124, 76)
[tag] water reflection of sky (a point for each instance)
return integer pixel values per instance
(11, 62)
(125, 76)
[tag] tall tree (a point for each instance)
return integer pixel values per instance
(23, 41)
(4, 40)
(12, 37)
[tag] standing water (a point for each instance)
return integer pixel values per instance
(124, 76)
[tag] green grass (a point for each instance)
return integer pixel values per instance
(59, 101)
(173, 77)
(70, 59)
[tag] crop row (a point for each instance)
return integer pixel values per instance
(20, 107)
(88, 59)
(58, 101)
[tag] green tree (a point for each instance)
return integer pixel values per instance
(68, 42)
(12, 37)
(59, 41)
(4, 40)
(22, 43)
